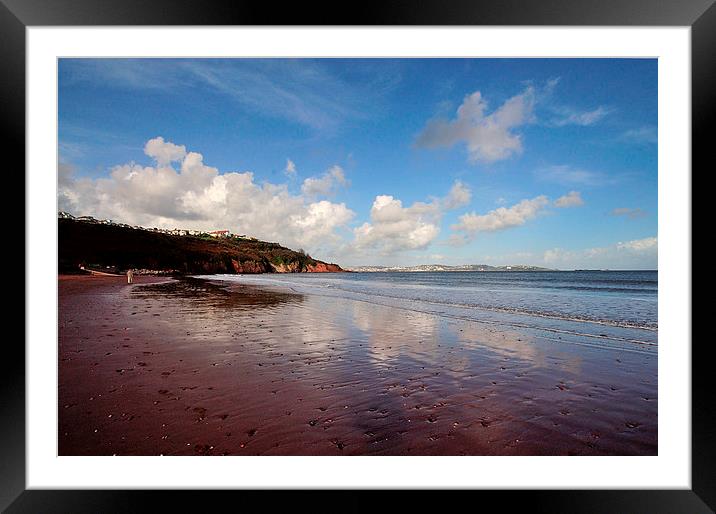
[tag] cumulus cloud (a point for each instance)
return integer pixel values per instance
(571, 199)
(634, 254)
(193, 195)
(628, 212)
(326, 184)
(639, 245)
(290, 169)
(164, 152)
(489, 137)
(71, 191)
(500, 218)
(458, 196)
(395, 228)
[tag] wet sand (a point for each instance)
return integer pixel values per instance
(193, 367)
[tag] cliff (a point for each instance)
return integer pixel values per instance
(83, 243)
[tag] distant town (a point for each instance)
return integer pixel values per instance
(174, 232)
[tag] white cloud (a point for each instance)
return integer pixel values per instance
(197, 196)
(569, 116)
(458, 196)
(164, 152)
(628, 212)
(635, 254)
(566, 175)
(639, 245)
(645, 134)
(326, 184)
(489, 137)
(290, 169)
(502, 217)
(571, 199)
(319, 219)
(302, 91)
(68, 189)
(394, 228)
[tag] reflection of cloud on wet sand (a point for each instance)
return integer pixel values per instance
(508, 343)
(516, 345)
(395, 332)
(417, 383)
(311, 375)
(318, 331)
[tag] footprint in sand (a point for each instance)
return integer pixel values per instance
(200, 413)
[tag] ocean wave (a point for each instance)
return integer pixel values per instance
(517, 311)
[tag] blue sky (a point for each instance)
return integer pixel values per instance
(550, 162)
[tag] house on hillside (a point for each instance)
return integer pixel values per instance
(219, 233)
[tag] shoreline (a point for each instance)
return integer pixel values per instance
(184, 366)
(638, 337)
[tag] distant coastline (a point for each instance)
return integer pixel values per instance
(441, 267)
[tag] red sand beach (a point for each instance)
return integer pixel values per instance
(190, 367)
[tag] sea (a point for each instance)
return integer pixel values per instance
(596, 308)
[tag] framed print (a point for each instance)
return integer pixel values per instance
(410, 249)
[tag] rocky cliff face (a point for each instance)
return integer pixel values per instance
(287, 267)
(322, 267)
(298, 267)
(96, 244)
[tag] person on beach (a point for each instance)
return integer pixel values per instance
(130, 275)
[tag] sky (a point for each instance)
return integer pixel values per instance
(545, 162)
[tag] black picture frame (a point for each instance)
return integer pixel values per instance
(17, 15)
